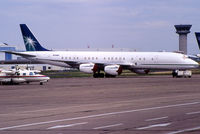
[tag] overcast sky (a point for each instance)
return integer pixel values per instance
(142, 25)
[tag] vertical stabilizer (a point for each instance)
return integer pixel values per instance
(198, 38)
(30, 41)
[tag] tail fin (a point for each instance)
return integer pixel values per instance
(30, 41)
(198, 38)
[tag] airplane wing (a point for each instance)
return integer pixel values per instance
(99, 64)
(21, 61)
(9, 72)
(19, 53)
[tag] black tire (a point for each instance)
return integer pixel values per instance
(109, 76)
(101, 75)
(95, 75)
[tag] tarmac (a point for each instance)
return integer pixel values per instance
(122, 105)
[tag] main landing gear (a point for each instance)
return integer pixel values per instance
(98, 75)
(102, 75)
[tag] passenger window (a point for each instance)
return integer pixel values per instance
(31, 73)
(24, 74)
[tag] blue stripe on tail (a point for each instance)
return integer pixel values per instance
(30, 41)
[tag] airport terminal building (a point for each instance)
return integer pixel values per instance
(6, 56)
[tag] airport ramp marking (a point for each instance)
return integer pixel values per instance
(159, 118)
(184, 130)
(69, 125)
(190, 113)
(155, 125)
(99, 115)
(108, 126)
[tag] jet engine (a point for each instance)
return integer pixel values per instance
(113, 70)
(88, 68)
(140, 71)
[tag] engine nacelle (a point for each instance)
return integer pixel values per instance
(88, 68)
(113, 69)
(140, 71)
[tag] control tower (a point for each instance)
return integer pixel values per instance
(183, 30)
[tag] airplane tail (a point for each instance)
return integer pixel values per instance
(198, 38)
(30, 41)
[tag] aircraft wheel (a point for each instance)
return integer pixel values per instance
(95, 75)
(98, 75)
(101, 75)
(41, 83)
(174, 74)
(109, 76)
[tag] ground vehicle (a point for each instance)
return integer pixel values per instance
(185, 73)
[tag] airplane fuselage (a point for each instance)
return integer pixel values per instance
(142, 60)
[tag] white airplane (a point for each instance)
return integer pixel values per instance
(16, 76)
(112, 63)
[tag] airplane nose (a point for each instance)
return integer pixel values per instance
(193, 63)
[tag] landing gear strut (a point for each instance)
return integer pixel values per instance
(98, 75)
